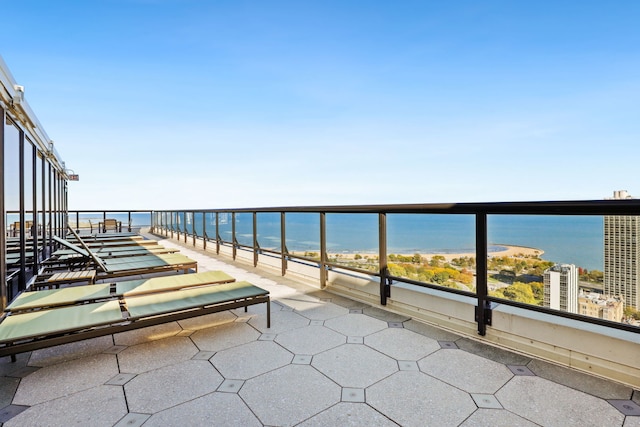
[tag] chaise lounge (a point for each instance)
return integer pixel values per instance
(110, 224)
(46, 318)
(117, 267)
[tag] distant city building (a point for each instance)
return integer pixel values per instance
(561, 287)
(622, 255)
(605, 307)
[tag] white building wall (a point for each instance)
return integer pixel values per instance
(561, 287)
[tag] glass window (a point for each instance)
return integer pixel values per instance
(12, 176)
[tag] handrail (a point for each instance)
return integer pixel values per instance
(577, 207)
(480, 211)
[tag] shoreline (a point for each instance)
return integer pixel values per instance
(505, 250)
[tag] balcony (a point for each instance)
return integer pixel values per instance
(395, 329)
(326, 360)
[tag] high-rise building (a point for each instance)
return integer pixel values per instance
(601, 306)
(561, 287)
(622, 255)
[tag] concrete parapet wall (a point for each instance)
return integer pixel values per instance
(598, 350)
(595, 349)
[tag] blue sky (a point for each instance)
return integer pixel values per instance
(161, 104)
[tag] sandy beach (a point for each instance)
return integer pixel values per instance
(505, 250)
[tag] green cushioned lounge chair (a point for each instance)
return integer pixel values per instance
(127, 266)
(36, 300)
(48, 327)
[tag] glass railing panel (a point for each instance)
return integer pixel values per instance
(437, 249)
(198, 223)
(138, 219)
(210, 225)
(188, 223)
(578, 264)
(170, 220)
(85, 222)
(303, 234)
(41, 225)
(269, 231)
(178, 222)
(159, 220)
(244, 228)
(167, 220)
(225, 226)
(352, 240)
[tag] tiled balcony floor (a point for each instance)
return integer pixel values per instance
(325, 361)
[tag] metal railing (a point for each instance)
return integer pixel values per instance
(90, 220)
(240, 230)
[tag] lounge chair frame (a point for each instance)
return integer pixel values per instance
(49, 341)
(110, 223)
(118, 268)
(255, 296)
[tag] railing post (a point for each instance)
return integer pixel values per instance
(323, 250)
(255, 239)
(193, 227)
(283, 243)
(178, 229)
(233, 235)
(3, 226)
(483, 311)
(217, 232)
(204, 231)
(385, 288)
(184, 224)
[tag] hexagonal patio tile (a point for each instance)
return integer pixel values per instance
(251, 359)
(310, 340)
(207, 321)
(65, 378)
(8, 387)
(281, 321)
(545, 402)
(97, 406)
(580, 381)
(402, 344)
(430, 331)
(172, 385)
(299, 300)
(75, 350)
(224, 336)
(215, 409)
(349, 414)
(355, 366)
(495, 418)
(151, 333)
(295, 393)
(358, 325)
(7, 367)
(469, 372)
(314, 309)
(425, 400)
(156, 354)
(384, 315)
